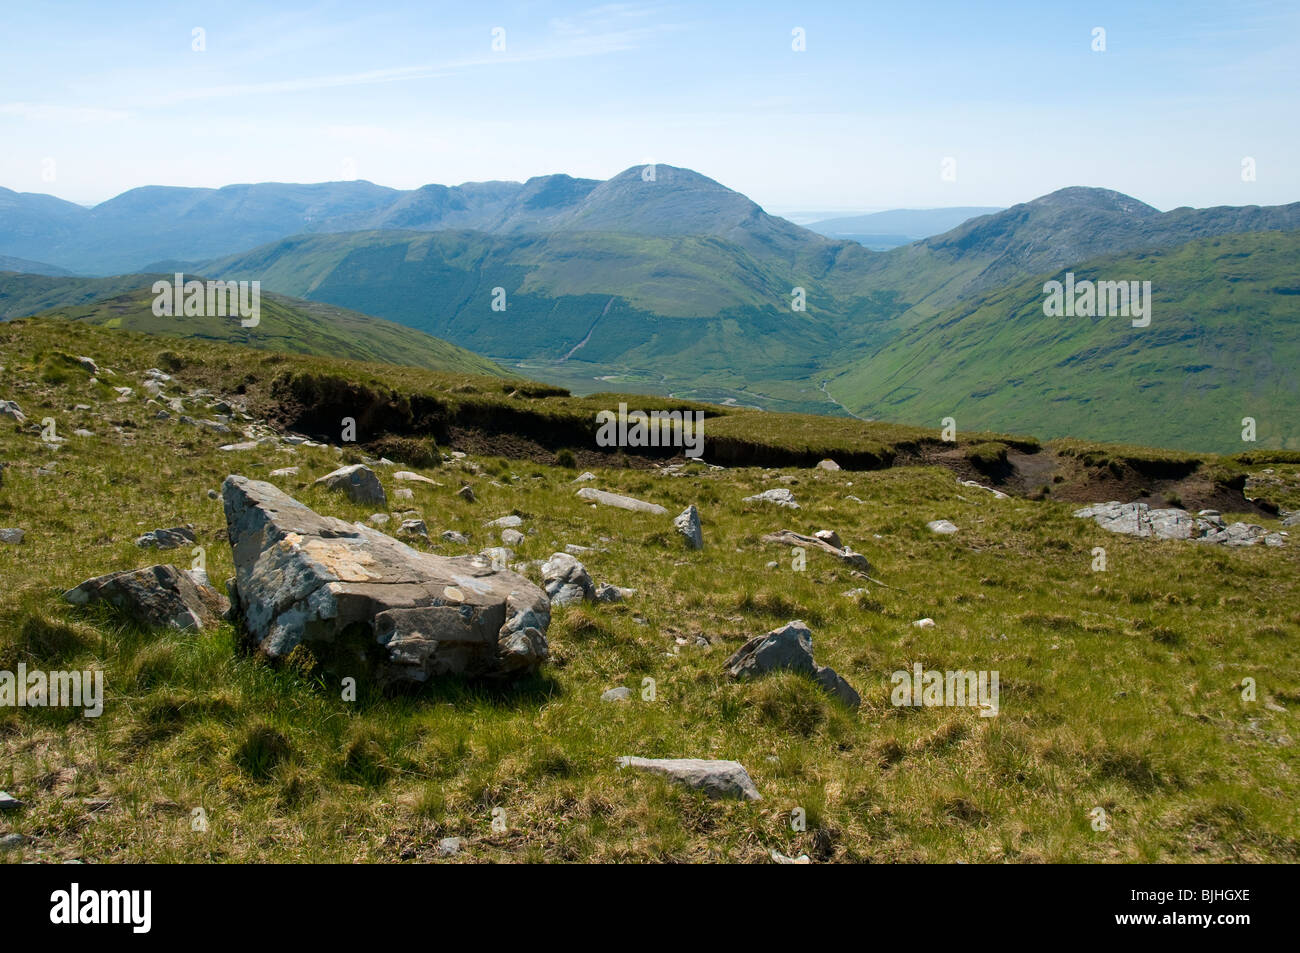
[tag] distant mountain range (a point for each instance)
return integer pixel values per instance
(674, 283)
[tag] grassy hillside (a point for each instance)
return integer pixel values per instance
(286, 324)
(1223, 329)
(1120, 690)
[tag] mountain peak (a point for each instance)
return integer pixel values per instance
(1088, 197)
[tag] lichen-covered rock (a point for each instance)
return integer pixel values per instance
(365, 603)
(156, 596)
(788, 648)
(605, 498)
(566, 580)
(358, 482)
(687, 524)
(717, 779)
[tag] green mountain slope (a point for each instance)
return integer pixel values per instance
(286, 324)
(1223, 344)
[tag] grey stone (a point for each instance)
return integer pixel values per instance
(365, 601)
(1138, 519)
(506, 522)
(451, 536)
(415, 529)
(167, 538)
(11, 842)
(466, 492)
(407, 476)
(788, 537)
(828, 464)
(8, 802)
(829, 536)
(358, 482)
(788, 648)
(609, 593)
(688, 525)
(9, 409)
(997, 494)
(450, 846)
(585, 477)
(285, 472)
(781, 496)
(717, 779)
(156, 596)
(605, 498)
(942, 527)
(12, 535)
(620, 694)
(566, 580)
(511, 537)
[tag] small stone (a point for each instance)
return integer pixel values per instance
(688, 526)
(511, 537)
(717, 779)
(506, 522)
(620, 694)
(293, 471)
(828, 464)
(9, 803)
(926, 623)
(450, 846)
(942, 527)
(12, 535)
(781, 496)
(466, 493)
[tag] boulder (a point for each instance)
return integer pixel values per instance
(592, 495)
(9, 409)
(788, 648)
(408, 477)
(1139, 519)
(566, 580)
(688, 525)
(167, 538)
(941, 527)
(155, 596)
(717, 779)
(828, 464)
(365, 603)
(781, 496)
(358, 482)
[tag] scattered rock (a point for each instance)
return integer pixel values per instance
(828, 464)
(450, 846)
(606, 498)
(9, 409)
(401, 493)
(788, 648)
(12, 535)
(790, 538)
(11, 842)
(506, 522)
(466, 493)
(452, 536)
(942, 527)
(584, 477)
(781, 858)
(717, 779)
(620, 694)
(361, 599)
(781, 496)
(1138, 519)
(566, 580)
(156, 596)
(407, 476)
(378, 519)
(1292, 520)
(609, 593)
(358, 482)
(167, 538)
(8, 802)
(511, 537)
(997, 494)
(415, 529)
(688, 525)
(926, 623)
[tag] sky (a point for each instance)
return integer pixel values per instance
(888, 105)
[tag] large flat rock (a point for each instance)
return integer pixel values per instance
(366, 604)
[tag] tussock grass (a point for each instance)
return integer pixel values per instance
(1119, 690)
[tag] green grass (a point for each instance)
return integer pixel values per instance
(1120, 689)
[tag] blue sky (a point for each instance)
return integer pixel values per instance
(409, 93)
